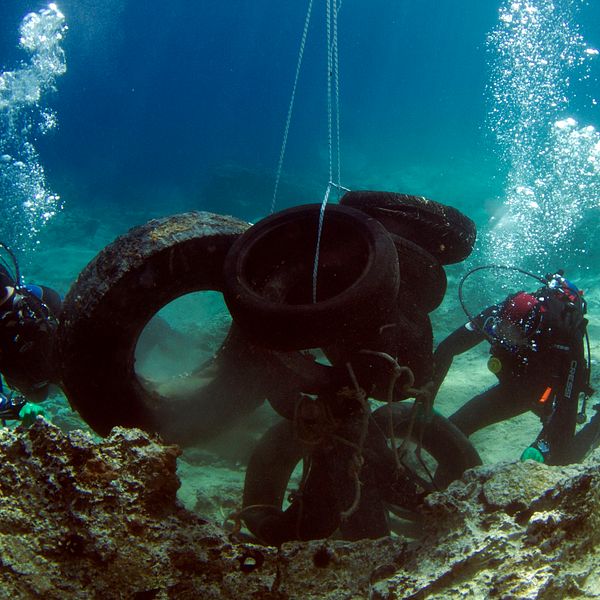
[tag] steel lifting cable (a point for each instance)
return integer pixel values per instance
(332, 73)
(291, 105)
(336, 74)
(329, 99)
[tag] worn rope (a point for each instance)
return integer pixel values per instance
(358, 460)
(397, 372)
(423, 397)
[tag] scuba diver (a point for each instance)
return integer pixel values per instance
(28, 321)
(537, 354)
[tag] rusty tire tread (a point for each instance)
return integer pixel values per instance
(268, 277)
(441, 230)
(114, 297)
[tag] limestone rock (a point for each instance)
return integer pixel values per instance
(515, 530)
(82, 518)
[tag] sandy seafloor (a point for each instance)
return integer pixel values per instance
(212, 474)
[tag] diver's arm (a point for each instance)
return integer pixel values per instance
(462, 339)
(459, 341)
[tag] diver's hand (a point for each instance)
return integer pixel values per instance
(29, 412)
(532, 453)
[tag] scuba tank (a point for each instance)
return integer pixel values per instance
(555, 339)
(27, 332)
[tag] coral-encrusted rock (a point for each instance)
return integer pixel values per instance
(518, 530)
(81, 518)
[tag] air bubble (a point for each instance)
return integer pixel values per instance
(27, 204)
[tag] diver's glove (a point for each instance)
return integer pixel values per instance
(29, 412)
(532, 453)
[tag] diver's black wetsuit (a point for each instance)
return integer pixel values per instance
(545, 376)
(28, 319)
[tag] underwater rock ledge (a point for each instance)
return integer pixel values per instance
(81, 518)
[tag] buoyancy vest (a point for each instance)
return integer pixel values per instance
(555, 340)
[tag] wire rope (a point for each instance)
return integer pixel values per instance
(331, 25)
(291, 105)
(336, 74)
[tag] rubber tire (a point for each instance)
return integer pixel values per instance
(408, 338)
(108, 306)
(423, 280)
(441, 230)
(300, 373)
(279, 451)
(451, 448)
(268, 277)
(267, 475)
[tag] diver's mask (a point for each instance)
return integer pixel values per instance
(515, 322)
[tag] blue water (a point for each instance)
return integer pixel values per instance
(178, 105)
(181, 105)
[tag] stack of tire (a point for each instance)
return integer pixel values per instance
(359, 276)
(114, 298)
(359, 285)
(377, 276)
(379, 272)
(427, 235)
